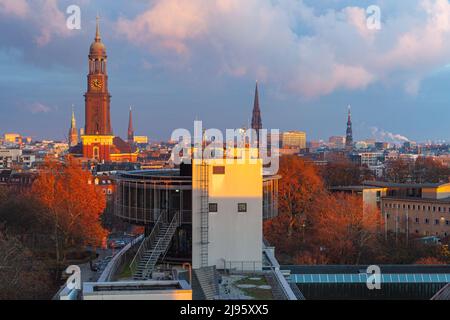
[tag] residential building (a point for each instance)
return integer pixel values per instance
(293, 139)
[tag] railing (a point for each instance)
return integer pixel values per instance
(119, 260)
(243, 266)
(146, 215)
(283, 284)
(162, 245)
(148, 241)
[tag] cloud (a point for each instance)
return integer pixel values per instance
(38, 107)
(14, 7)
(307, 51)
(387, 136)
(43, 15)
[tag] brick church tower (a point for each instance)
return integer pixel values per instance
(98, 137)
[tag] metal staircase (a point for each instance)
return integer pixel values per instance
(155, 246)
(204, 214)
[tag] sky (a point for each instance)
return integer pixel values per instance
(175, 61)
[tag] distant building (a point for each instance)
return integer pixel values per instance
(140, 139)
(293, 139)
(337, 142)
(8, 157)
(420, 209)
(371, 158)
(13, 138)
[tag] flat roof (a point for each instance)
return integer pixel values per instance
(403, 185)
(362, 278)
(352, 269)
(353, 188)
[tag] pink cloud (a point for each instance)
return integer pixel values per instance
(14, 7)
(261, 39)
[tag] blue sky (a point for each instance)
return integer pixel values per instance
(176, 60)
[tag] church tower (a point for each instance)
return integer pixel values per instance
(98, 136)
(349, 133)
(73, 134)
(130, 129)
(256, 114)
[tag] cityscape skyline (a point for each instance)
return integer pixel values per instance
(194, 84)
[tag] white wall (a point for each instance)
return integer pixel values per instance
(233, 236)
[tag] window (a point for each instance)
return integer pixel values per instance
(212, 207)
(427, 221)
(242, 207)
(417, 220)
(218, 170)
(436, 221)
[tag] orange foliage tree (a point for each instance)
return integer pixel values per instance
(299, 189)
(73, 204)
(429, 261)
(344, 230)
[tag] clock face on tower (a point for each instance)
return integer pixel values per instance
(96, 84)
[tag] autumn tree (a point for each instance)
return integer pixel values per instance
(398, 171)
(73, 204)
(344, 173)
(344, 229)
(429, 261)
(427, 169)
(22, 276)
(299, 189)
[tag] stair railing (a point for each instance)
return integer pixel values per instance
(162, 245)
(148, 241)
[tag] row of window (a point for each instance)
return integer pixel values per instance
(426, 220)
(416, 207)
(241, 207)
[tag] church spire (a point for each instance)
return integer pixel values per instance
(73, 123)
(130, 128)
(349, 133)
(256, 115)
(73, 133)
(97, 29)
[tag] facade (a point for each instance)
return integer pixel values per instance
(223, 203)
(420, 209)
(140, 139)
(337, 142)
(9, 156)
(13, 138)
(294, 139)
(371, 158)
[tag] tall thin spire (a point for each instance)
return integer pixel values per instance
(256, 115)
(73, 123)
(97, 30)
(349, 132)
(73, 132)
(130, 128)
